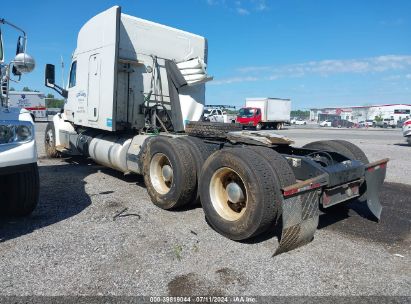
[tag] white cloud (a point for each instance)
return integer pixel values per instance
(242, 7)
(393, 22)
(233, 80)
(325, 67)
(378, 64)
(260, 5)
(242, 11)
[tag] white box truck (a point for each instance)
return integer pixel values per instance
(134, 101)
(35, 102)
(265, 113)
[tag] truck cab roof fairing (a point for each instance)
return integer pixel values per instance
(99, 31)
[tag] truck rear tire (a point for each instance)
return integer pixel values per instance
(169, 173)
(340, 146)
(211, 129)
(349, 150)
(200, 151)
(240, 193)
(50, 141)
(278, 163)
(355, 151)
(280, 168)
(19, 192)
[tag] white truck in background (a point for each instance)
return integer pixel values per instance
(19, 177)
(218, 113)
(35, 102)
(135, 99)
(264, 113)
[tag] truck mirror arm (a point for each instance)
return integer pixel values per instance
(57, 88)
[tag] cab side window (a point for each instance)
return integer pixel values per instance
(72, 81)
(258, 112)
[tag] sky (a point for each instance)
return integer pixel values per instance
(318, 53)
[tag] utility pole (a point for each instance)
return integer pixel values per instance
(62, 71)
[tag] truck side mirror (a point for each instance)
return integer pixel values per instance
(20, 45)
(19, 49)
(50, 81)
(49, 78)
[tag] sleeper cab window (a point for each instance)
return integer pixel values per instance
(72, 82)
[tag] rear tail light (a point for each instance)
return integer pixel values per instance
(407, 123)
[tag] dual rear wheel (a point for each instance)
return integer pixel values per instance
(171, 170)
(239, 188)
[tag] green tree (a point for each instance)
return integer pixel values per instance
(378, 118)
(12, 89)
(300, 114)
(50, 95)
(54, 103)
(27, 89)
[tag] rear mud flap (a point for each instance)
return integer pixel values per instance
(300, 215)
(374, 178)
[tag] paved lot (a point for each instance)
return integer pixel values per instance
(73, 245)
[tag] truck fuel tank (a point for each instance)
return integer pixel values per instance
(110, 150)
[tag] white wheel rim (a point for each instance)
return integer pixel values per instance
(161, 173)
(228, 194)
(50, 138)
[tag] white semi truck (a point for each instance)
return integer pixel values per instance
(135, 96)
(19, 177)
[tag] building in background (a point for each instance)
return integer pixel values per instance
(361, 113)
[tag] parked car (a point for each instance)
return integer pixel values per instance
(385, 123)
(217, 115)
(326, 123)
(300, 122)
(366, 123)
(342, 123)
(369, 123)
(406, 130)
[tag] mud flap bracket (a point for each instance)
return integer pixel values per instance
(300, 215)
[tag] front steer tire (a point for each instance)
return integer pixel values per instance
(50, 141)
(19, 192)
(169, 173)
(257, 211)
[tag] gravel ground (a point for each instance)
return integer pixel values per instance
(74, 245)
